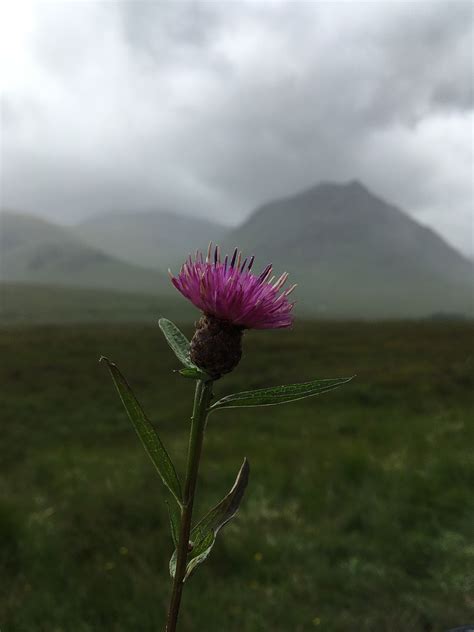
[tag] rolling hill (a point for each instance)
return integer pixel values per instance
(353, 255)
(33, 250)
(157, 240)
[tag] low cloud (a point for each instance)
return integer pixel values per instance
(213, 108)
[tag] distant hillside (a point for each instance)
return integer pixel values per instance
(353, 254)
(36, 251)
(26, 304)
(158, 240)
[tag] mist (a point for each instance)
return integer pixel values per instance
(210, 110)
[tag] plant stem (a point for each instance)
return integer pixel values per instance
(202, 399)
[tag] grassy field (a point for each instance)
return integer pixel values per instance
(37, 304)
(359, 514)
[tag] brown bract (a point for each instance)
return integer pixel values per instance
(216, 347)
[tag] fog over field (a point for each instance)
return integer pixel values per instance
(211, 109)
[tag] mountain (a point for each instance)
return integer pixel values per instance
(34, 250)
(157, 240)
(353, 254)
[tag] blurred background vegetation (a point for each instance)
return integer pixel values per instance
(359, 510)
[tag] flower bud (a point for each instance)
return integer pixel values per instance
(216, 346)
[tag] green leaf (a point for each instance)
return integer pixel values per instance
(175, 522)
(180, 345)
(203, 535)
(177, 341)
(279, 394)
(200, 552)
(147, 434)
(194, 374)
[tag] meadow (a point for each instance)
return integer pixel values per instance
(359, 513)
(38, 304)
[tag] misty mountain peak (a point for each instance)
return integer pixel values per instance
(334, 200)
(343, 241)
(351, 252)
(329, 186)
(356, 187)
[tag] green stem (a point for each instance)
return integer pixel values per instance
(202, 399)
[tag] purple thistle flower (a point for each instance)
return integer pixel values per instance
(230, 292)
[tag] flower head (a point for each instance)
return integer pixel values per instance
(228, 290)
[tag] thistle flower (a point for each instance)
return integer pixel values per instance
(229, 291)
(232, 299)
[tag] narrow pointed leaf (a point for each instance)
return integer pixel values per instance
(147, 434)
(180, 345)
(279, 394)
(219, 515)
(203, 535)
(177, 341)
(175, 522)
(200, 552)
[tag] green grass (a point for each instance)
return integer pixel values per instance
(33, 304)
(359, 511)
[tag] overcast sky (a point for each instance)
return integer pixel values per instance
(214, 107)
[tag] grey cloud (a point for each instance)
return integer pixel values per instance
(213, 108)
(150, 26)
